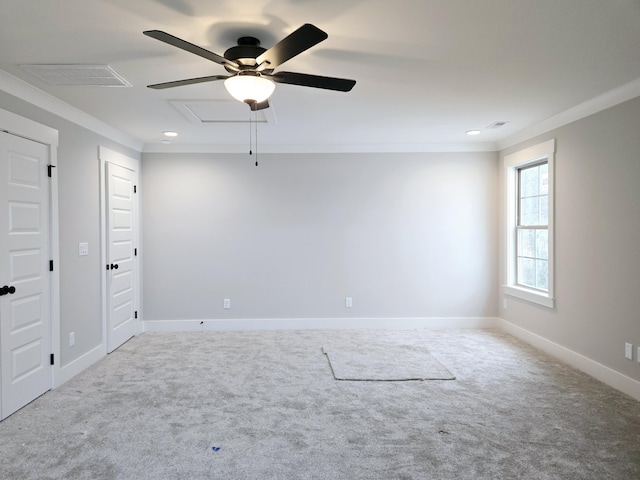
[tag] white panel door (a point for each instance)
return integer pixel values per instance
(25, 308)
(121, 323)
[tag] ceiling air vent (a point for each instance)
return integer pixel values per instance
(90, 75)
(495, 125)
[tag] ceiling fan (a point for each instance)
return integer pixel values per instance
(251, 67)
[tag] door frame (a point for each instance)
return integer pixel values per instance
(106, 155)
(37, 132)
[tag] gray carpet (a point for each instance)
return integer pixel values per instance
(385, 363)
(264, 405)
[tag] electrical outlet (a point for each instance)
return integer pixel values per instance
(72, 339)
(227, 303)
(628, 351)
(348, 302)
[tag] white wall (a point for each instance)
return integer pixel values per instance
(405, 235)
(597, 245)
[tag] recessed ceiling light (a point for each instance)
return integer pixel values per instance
(170, 134)
(473, 132)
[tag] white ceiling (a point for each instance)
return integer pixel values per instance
(426, 70)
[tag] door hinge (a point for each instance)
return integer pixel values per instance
(135, 189)
(49, 170)
(52, 359)
(135, 252)
(135, 314)
(51, 265)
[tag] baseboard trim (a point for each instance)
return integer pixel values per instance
(601, 372)
(317, 324)
(70, 370)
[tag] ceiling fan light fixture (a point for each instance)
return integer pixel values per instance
(249, 88)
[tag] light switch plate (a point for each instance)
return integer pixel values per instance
(83, 249)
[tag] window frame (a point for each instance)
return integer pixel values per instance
(513, 163)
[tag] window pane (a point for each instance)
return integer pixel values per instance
(543, 210)
(542, 275)
(527, 243)
(529, 208)
(544, 179)
(532, 257)
(529, 182)
(527, 272)
(533, 189)
(542, 244)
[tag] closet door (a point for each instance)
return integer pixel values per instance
(121, 322)
(25, 284)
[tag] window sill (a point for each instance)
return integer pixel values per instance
(530, 296)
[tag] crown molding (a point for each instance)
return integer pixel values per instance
(609, 99)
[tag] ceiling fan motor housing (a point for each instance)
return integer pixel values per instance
(245, 53)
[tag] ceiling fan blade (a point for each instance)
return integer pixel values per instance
(191, 48)
(293, 44)
(255, 106)
(316, 81)
(188, 81)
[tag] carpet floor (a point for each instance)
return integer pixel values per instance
(265, 405)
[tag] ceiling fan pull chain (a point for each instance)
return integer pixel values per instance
(256, 123)
(250, 140)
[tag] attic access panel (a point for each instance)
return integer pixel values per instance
(222, 111)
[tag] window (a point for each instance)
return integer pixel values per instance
(532, 227)
(529, 223)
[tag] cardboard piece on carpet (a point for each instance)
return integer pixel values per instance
(391, 363)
